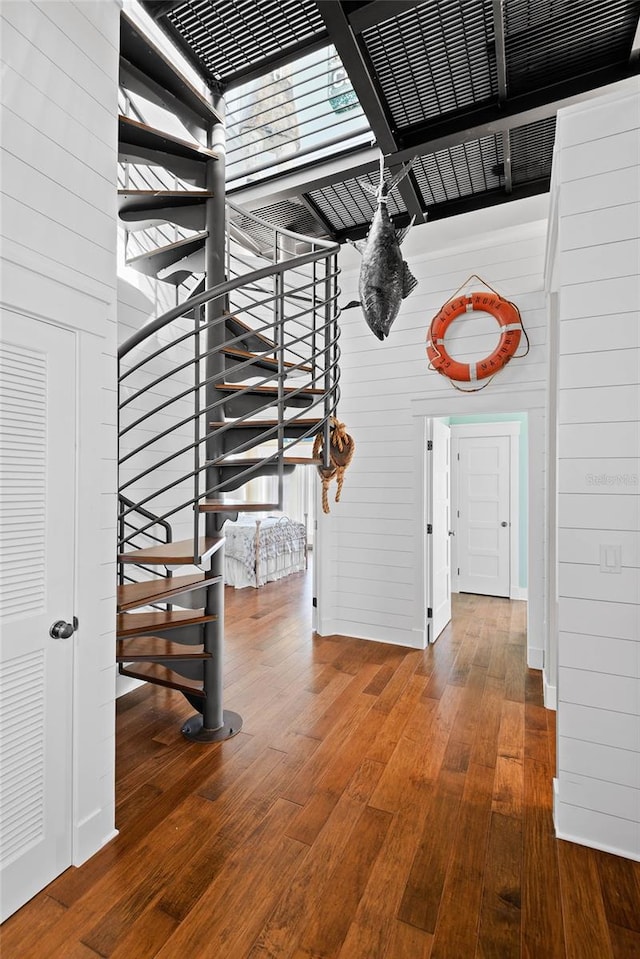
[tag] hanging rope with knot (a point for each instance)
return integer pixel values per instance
(341, 449)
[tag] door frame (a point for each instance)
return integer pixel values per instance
(533, 402)
(431, 634)
(510, 429)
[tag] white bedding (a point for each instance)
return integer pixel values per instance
(259, 551)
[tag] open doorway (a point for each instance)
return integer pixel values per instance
(477, 510)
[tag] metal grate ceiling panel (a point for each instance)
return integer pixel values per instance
(459, 171)
(532, 150)
(548, 41)
(432, 73)
(288, 215)
(346, 204)
(434, 59)
(230, 37)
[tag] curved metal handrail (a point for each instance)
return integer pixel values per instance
(221, 289)
(292, 305)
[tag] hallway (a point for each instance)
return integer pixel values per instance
(379, 803)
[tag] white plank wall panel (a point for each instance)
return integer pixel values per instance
(600, 511)
(607, 191)
(59, 143)
(596, 653)
(618, 766)
(372, 586)
(585, 334)
(611, 440)
(596, 178)
(605, 726)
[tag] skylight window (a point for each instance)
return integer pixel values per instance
(303, 109)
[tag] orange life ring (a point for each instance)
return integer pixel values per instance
(507, 316)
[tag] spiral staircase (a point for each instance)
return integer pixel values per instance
(227, 386)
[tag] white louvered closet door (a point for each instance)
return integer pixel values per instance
(37, 550)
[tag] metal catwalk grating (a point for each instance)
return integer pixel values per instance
(231, 36)
(346, 204)
(532, 150)
(288, 215)
(548, 41)
(463, 170)
(434, 59)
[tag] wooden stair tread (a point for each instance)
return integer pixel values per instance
(155, 649)
(271, 361)
(163, 676)
(140, 624)
(233, 319)
(164, 194)
(135, 134)
(253, 424)
(132, 595)
(172, 554)
(234, 506)
(268, 390)
(287, 460)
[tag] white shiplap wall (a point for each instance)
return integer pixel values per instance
(596, 274)
(371, 576)
(59, 150)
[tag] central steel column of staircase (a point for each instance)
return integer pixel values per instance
(231, 368)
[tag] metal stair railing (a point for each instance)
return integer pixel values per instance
(169, 397)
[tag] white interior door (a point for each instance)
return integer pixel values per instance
(37, 550)
(439, 509)
(483, 548)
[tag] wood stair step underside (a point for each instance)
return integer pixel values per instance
(152, 649)
(142, 209)
(179, 553)
(161, 675)
(133, 134)
(140, 143)
(146, 70)
(143, 624)
(161, 258)
(134, 595)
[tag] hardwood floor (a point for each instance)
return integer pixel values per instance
(379, 803)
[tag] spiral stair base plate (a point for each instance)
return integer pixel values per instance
(194, 730)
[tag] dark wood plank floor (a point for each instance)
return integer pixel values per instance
(379, 803)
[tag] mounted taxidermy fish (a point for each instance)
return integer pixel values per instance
(385, 278)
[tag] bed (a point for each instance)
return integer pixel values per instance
(258, 551)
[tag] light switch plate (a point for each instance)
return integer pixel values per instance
(610, 558)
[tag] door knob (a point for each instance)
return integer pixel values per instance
(61, 629)
(504, 524)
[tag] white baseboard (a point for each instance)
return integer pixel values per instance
(412, 639)
(90, 837)
(594, 822)
(535, 658)
(550, 694)
(124, 684)
(519, 592)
